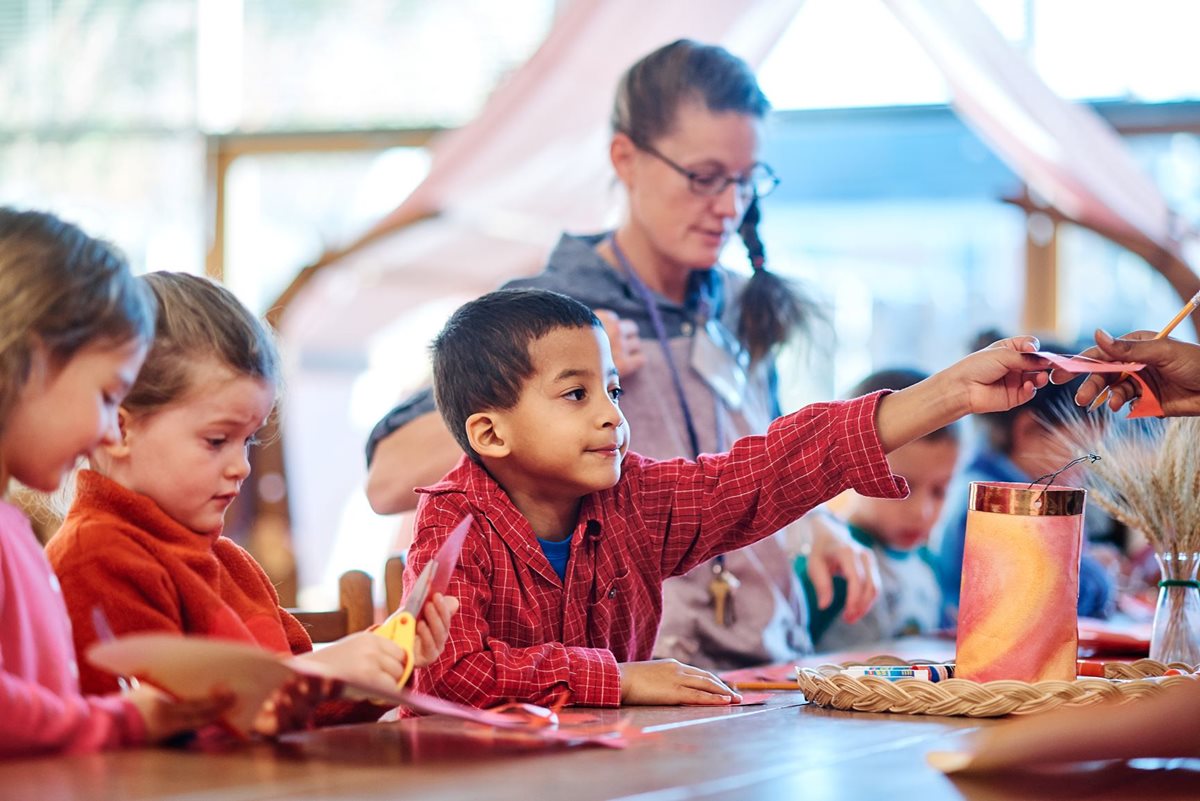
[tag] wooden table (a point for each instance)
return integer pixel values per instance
(784, 749)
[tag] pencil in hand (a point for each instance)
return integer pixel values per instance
(1187, 309)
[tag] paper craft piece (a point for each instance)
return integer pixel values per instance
(1143, 728)
(1147, 405)
(447, 555)
(197, 667)
(1020, 583)
(193, 668)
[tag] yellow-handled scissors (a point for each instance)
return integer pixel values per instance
(401, 626)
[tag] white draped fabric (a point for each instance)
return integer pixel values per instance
(1067, 154)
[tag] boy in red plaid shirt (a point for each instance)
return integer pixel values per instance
(560, 577)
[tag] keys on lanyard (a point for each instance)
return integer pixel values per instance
(720, 591)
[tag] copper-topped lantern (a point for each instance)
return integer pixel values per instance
(1020, 582)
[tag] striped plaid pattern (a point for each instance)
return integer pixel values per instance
(523, 634)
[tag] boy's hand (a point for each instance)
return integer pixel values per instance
(831, 550)
(625, 342)
(994, 379)
(433, 628)
(165, 717)
(667, 681)
(1000, 377)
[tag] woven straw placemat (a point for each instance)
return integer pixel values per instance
(826, 686)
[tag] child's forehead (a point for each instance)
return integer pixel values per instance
(212, 383)
(568, 343)
(576, 350)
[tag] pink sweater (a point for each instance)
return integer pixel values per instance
(41, 709)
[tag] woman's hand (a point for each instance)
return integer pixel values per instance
(1172, 372)
(625, 342)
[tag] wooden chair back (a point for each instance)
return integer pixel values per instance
(355, 612)
(393, 582)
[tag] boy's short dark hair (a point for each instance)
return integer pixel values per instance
(896, 378)
(481, 357)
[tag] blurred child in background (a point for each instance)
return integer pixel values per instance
(910, 599)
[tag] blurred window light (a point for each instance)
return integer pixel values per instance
(285, 210)
(380, 63)
(849, 53)
(220, 64)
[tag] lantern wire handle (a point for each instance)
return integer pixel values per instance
(1091, 458)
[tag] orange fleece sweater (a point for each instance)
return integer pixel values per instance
(118, 550)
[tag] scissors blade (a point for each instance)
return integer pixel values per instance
(420, 591)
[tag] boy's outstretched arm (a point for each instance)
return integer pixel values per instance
(994, 379)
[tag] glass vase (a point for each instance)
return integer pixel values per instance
(1176, 633)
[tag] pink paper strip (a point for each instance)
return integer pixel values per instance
(447, 556)
(1145, 406)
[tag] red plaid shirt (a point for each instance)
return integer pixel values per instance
(523, 634)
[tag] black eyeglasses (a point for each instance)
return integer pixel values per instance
(759, 181)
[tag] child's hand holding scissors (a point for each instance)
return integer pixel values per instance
(370, 660)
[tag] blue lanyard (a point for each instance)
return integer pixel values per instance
(660, 331)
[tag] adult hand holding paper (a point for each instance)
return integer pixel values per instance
(1066, 367)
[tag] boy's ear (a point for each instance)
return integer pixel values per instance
(484, 432)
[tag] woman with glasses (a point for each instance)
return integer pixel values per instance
(693, 342)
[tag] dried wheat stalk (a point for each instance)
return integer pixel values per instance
(1148, 476)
